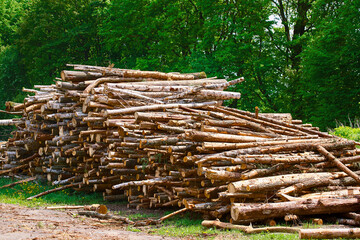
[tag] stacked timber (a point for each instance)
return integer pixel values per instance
(163, 139)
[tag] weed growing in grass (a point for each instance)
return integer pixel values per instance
(19, 193)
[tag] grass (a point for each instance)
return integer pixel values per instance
(19, 193)
(186, 226)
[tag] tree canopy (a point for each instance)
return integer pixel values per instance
(300, 57)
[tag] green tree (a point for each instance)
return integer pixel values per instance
(57, 32)
(331, 86)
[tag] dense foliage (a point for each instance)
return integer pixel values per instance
(347, 132)
(300, 56)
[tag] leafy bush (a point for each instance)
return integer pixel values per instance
(347, 132)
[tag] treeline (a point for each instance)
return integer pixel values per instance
(301, 57)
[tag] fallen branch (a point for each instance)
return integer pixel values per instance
(18, 182)
(54, 190)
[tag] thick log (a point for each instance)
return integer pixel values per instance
(329, 233)
(276, 182)
(261, 211)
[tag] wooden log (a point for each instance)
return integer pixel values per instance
(329, 233)
(105, 216)
(144, 182)
(54, 190)
(99, 208)
(154, 107)
(18, 182)
(248, 229)
(261, 211)
(278, 148)
(338, 163)
(8, 122)
(79, 76)
(276, 182)
(198, 136)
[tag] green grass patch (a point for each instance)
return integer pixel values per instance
(19, 193)
(189, 225)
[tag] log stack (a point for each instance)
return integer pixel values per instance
(163, 139)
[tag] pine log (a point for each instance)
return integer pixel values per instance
(154, 107)
(338, 163)
(248, 229)
(329, 233)
(18, 182)
(261, 211)
(276, 182)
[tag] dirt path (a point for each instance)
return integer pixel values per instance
(17, 222)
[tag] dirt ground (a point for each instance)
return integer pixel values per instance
(18, 222)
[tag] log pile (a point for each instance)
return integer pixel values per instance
(163, 139)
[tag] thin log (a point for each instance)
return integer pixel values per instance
(54, 190)
(105, 216)
(18, 182)
(338, 163)
(99, 208)
(155, 107)
(172, 214)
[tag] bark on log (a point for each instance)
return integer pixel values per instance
(261, 211)
(276, 182)
(105, 216)
(326, 233)
(154, 107)
(248, 229)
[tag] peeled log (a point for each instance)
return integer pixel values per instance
(261, 211)
(322, 233)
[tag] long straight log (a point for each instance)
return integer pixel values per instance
(261, 211)
(54, 190)
(144, 182)
(276, 182)
(278, 148)
(338, 163)
(329, 233)
(155, 107)
(18, 182)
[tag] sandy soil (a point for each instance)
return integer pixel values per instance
(17, 222)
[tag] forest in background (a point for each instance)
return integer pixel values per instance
(301, 57)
